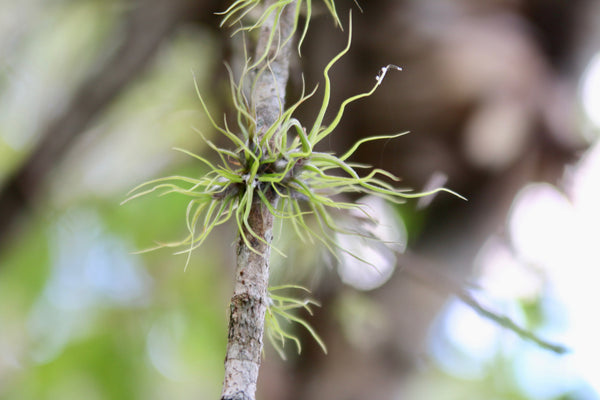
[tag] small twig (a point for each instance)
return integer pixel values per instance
(432, 277)
(509, 324)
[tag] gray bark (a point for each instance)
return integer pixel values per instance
(249, 302)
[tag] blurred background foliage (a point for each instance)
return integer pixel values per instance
(502, 99)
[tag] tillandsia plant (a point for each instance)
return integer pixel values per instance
(272, 170)
(282, 164)
(241, 8)
(279, 313)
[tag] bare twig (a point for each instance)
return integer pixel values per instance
(431, 276)
(509, 324)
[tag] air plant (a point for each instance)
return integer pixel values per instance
(280, 163)
(279, 314)
(235, 14)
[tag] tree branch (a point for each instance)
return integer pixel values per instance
(250, 298)
(432, 276)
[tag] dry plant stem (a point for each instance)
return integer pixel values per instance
(249, 301)
(431, 275)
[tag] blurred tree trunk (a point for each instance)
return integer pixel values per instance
(146, 27)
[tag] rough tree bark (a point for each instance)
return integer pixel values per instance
(249, 302)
